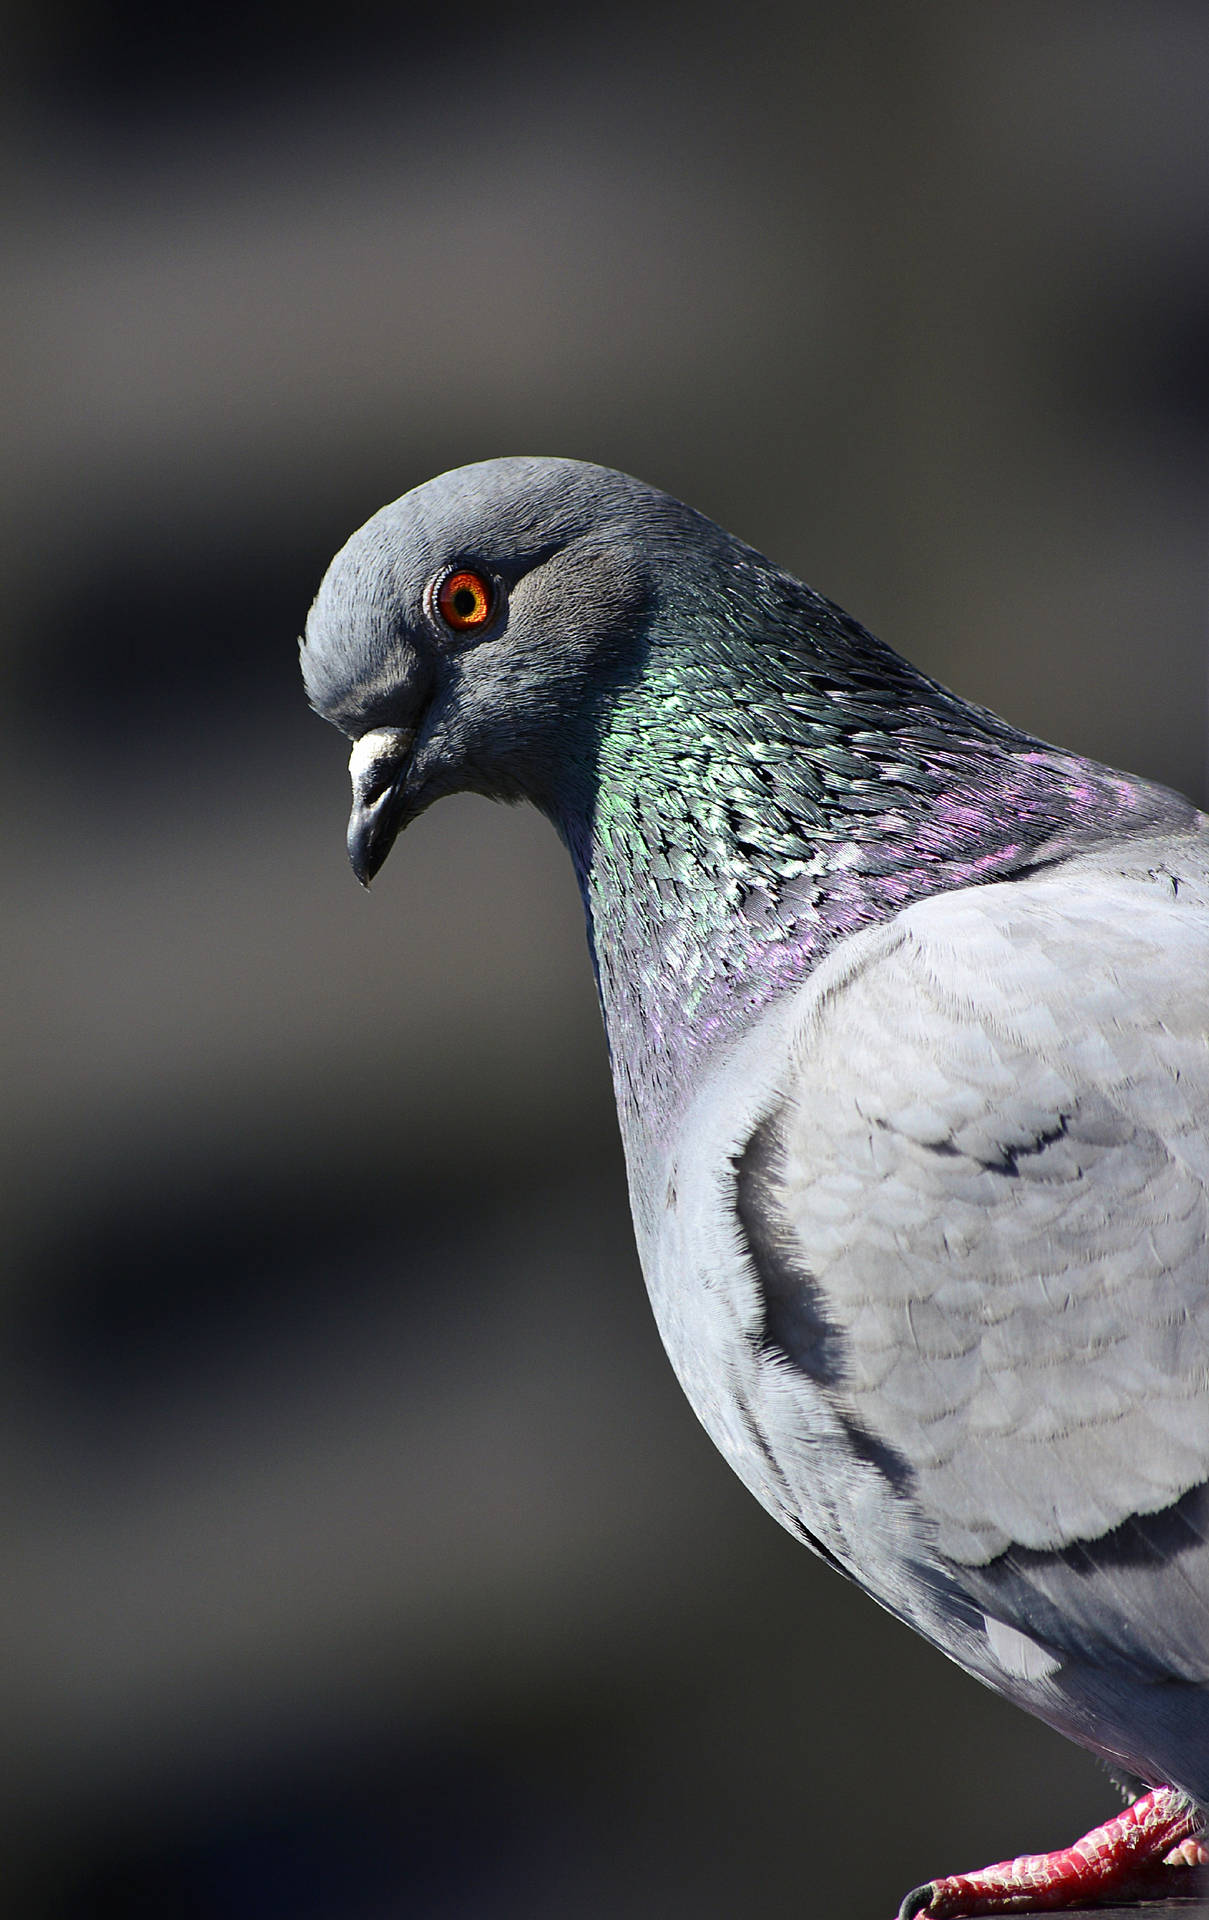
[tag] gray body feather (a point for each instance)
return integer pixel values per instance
(931, 1266)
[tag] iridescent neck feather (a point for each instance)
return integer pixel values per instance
(750, 805)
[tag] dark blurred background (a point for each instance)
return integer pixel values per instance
(361, 1558)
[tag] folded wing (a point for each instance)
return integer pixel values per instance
(979, 1219)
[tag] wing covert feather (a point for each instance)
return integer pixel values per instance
(992, 1170)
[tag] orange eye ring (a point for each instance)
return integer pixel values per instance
(466, 600)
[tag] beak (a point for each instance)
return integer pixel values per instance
(378, 765)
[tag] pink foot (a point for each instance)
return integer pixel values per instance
(1144, 1850)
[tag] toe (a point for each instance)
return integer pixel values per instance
(917, 1901)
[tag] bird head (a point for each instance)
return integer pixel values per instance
(468, 636)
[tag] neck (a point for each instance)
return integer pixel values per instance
(741, 823)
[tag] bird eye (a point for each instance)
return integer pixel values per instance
(465, 600)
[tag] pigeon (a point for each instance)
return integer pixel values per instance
(908, 1022)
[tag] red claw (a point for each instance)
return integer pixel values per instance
(1152, 1849)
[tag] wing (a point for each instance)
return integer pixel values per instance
(979, 1219)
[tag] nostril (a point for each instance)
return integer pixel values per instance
(377, 783)
(377, 762)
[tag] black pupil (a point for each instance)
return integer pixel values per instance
(465, 602)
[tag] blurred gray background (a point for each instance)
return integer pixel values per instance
(361, 1559)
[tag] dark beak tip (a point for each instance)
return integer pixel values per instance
(362, 859)
(371, 835)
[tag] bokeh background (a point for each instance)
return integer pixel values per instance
(361, 1559)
